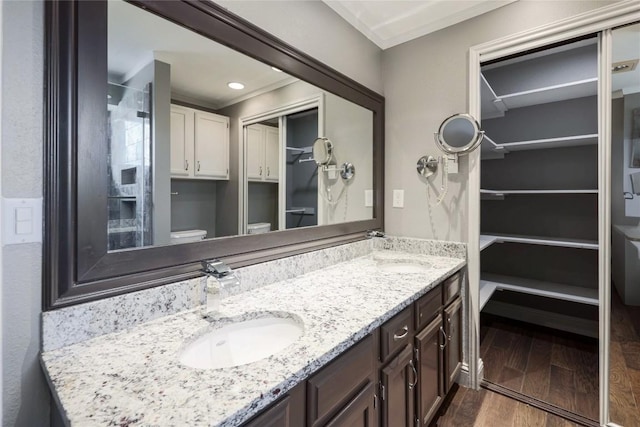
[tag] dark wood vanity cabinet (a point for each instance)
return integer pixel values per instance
(453, 347)
(398, 376)
(397, 383)
(359, 411)
(289, 411)
(414, 384)
(344, 390)
(430, 388)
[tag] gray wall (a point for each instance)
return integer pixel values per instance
(316, 29)
(425, 81)
(25, 394)
(194, 205)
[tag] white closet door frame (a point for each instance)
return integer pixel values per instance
(595, 21)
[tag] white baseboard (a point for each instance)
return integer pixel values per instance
(464, 378)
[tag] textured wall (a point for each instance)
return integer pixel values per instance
(425, 81)
(25, 394)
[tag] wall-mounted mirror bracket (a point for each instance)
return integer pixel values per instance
(427, 166)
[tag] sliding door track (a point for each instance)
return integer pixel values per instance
(536, 403)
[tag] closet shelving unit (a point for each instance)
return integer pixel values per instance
(539, 173)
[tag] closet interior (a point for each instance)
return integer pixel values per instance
(539, 222)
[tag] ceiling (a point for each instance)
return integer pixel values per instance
(390, 22)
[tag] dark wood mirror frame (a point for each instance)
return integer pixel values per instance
(77, 267)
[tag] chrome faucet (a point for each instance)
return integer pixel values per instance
(219, 275)
(375, 233)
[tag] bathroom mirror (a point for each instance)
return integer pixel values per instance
(322, 151)
(112, 168)
(459, 134)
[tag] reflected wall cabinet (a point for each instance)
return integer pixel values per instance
(199, 144)
(263, 153)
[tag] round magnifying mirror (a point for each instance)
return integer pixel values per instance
(322, 151)
(459, 134)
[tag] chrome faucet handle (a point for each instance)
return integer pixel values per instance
(215, 267)
(375, 233)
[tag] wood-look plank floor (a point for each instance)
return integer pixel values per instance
(552, 366)
(624, 372)
(466, 407)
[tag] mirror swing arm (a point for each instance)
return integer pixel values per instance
(77, 266)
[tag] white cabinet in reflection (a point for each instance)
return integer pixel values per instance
(263, 153)
(199, 144)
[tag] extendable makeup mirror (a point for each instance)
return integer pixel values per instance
(459, 134)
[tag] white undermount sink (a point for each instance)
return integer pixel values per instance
(403, 267)
(242, 342)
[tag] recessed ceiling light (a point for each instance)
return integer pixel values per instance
(235, 85)
(277, 70)
(622, 66)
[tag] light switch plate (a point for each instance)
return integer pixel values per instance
(398, 198)
(368, 198)
(21, 221)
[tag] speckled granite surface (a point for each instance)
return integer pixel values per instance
(79, 323)
(134, 377)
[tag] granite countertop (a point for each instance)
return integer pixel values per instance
(134, 377)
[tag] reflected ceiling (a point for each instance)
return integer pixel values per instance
(139, 37)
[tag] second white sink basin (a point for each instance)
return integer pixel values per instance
(242, 342)
(403, 267)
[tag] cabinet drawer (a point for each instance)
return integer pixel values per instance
(396, 333)
(335, 384)
(428, 307)
(451, 288)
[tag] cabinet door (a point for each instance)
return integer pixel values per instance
(358, 412)
(398, 381)
(430, 358)
(255, 152)
(276, 416)
(211, 146)
(181, 141)
(272, 153)
(330, 390)
(453, 348)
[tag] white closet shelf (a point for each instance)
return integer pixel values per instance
(539, 144)
(554, 93)
(486, 241)
(301, 150)
(535, 240)
(489, 283)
